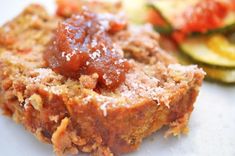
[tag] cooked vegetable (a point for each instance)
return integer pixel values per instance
(221, 74)
(184, 16)
(204, 51)
(157, 20)
(188, 21)
(220, 44)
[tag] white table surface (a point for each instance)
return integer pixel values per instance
(212, 124)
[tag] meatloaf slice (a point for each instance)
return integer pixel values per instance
(72, 116)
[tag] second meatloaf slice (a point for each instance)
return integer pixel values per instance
(72, 116)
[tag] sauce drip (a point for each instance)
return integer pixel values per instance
(82, 46)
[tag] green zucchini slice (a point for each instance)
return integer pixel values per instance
(223, 75)
(197, 49)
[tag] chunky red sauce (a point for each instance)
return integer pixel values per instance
(232, 6)
(67, 7)
(82, 45)
(204, 16)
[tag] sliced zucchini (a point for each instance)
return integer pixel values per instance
(221, 45)
(198, 49)
(169, 9)
(220, 74)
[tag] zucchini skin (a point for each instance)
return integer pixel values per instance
(222, 30)
(163, 30)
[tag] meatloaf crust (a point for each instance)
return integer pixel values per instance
(73, 117)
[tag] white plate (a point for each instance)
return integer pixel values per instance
(212, 124)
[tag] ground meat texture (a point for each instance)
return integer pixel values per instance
(82, 46)
(72, 115)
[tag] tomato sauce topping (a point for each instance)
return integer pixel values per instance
(204, 16)
(67, 7)
(82, 46)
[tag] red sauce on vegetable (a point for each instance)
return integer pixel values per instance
(204, 16)
(155, 18)
(82, 45)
